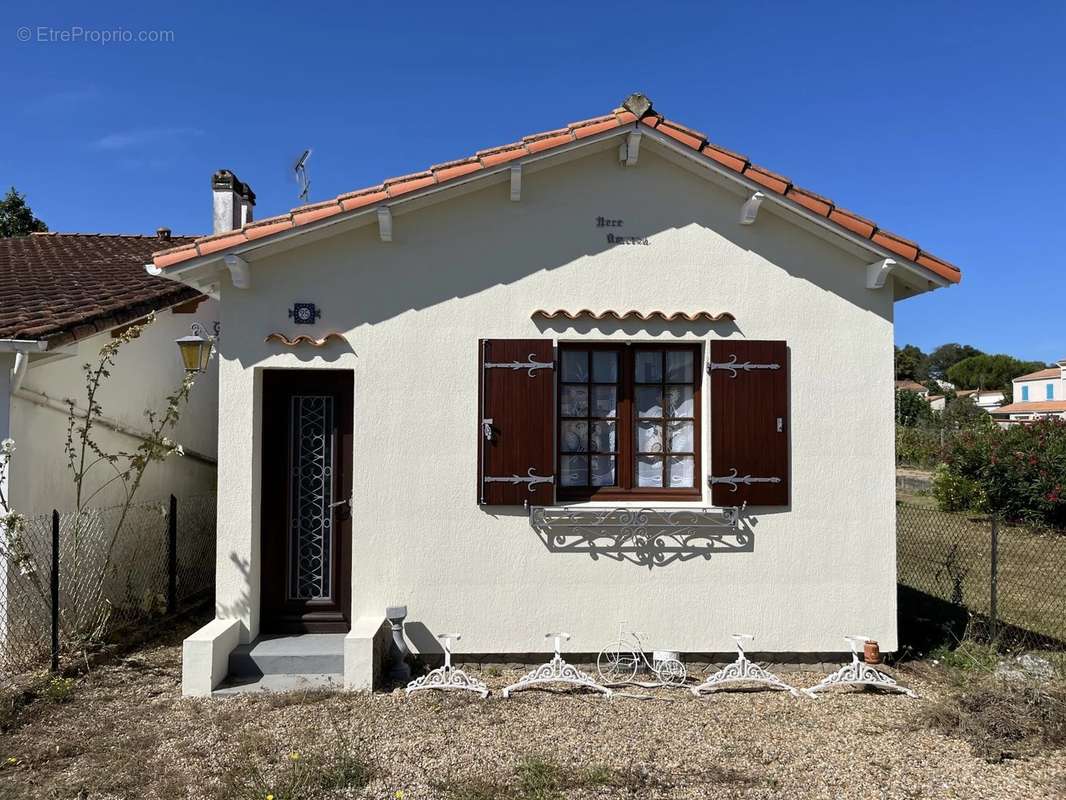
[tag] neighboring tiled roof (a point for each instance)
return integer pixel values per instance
(1050, 372)
(1037, 406)
(637, 108)
(910, 386)
(705, 316)
(66, 286)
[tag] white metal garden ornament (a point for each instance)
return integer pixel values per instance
(619, 661)
(446, 677)
(743, 671)
(858, 673)
(557, 671)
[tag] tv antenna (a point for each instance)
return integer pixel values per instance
(300, 170)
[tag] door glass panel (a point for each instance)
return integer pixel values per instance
(604, 401)
(311, 482)
(679, 366)
(648, 366)
(650, 437)
(679, 401)
(603, 437)
(574, 470)
(680, 437)
(679, 471)
(603, 470)
(649, 401)
(604, 366)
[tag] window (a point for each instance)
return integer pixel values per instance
(629, 421)
(1051, 391)
(1025, 393)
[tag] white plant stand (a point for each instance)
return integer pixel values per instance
(858, 673)
(743, 671)
(557, 671)
(446, 677)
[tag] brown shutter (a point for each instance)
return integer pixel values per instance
(516, 426)
(749, 423)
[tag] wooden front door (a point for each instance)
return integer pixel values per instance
(307, 484)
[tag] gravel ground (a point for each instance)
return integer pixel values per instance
(125, 732)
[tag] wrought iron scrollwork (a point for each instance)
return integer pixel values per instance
(735, 368)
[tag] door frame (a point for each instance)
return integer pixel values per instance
(279, 613)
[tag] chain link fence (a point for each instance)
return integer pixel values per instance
(116, 572)
(1007, 580)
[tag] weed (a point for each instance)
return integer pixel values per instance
(58, 690)
(1002, 719)
(347, 770)
(968, 656)
(599, 775)
(493, 671)
(538, 778)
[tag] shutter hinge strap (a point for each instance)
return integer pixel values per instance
(734, 367)
(529, 365)
(733, 480)
(532, 479)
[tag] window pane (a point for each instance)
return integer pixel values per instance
(604, 401)
(574, 401)
(650, 471)
(603, 437)
(680, 436)
(575, 365)
(603, 470)
(573, 437)
(574, 470)
(679, 365)
(679, 401)
(679, 471)
(650, 437)
(649, 366)
(649, 401)
(604, 366)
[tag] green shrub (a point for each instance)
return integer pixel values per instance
(955, 492)
(917, 447)
(1019, 472)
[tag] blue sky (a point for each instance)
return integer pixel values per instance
(942, 121)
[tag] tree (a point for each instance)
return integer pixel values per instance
(947, 356)
(911, 364)
(16, 218)
(911, 409)
(990, 372)
(963, 414)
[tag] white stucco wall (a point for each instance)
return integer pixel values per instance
(146, 371)
(1038, 390)
(412, 311)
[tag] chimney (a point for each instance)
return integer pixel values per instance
(233, 201)
(162, 234)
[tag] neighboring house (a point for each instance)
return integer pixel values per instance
(912, 386)
(65, 295)
(1037, 395)
(987, 399)
(529, 390)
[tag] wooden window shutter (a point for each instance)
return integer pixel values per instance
(749, 423)
(516, 424)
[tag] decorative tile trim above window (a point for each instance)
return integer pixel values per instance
(303, 339)
(676, 316)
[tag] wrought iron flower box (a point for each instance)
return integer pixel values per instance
(649, 536)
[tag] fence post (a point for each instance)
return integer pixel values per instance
(172, 556)
(54, 585)
(994, 576)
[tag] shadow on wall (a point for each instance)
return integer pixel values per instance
(647, 537)
(240, 608)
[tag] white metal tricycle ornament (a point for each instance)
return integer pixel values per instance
(619, 661)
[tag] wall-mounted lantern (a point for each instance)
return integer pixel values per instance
(196, 349)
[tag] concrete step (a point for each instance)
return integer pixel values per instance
(302, 654)
(280, 683)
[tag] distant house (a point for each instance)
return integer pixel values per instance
(987, 399)
(912, 386)
(1037, 395)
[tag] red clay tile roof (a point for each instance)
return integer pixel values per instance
(1050, 372)
(635, 111)
(633, 314)
(1037, 406)
(66, 286)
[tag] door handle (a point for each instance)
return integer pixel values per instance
(345, 502)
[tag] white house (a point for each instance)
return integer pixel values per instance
(1038, 394)
(599, 374)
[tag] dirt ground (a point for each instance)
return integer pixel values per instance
(124, 731)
